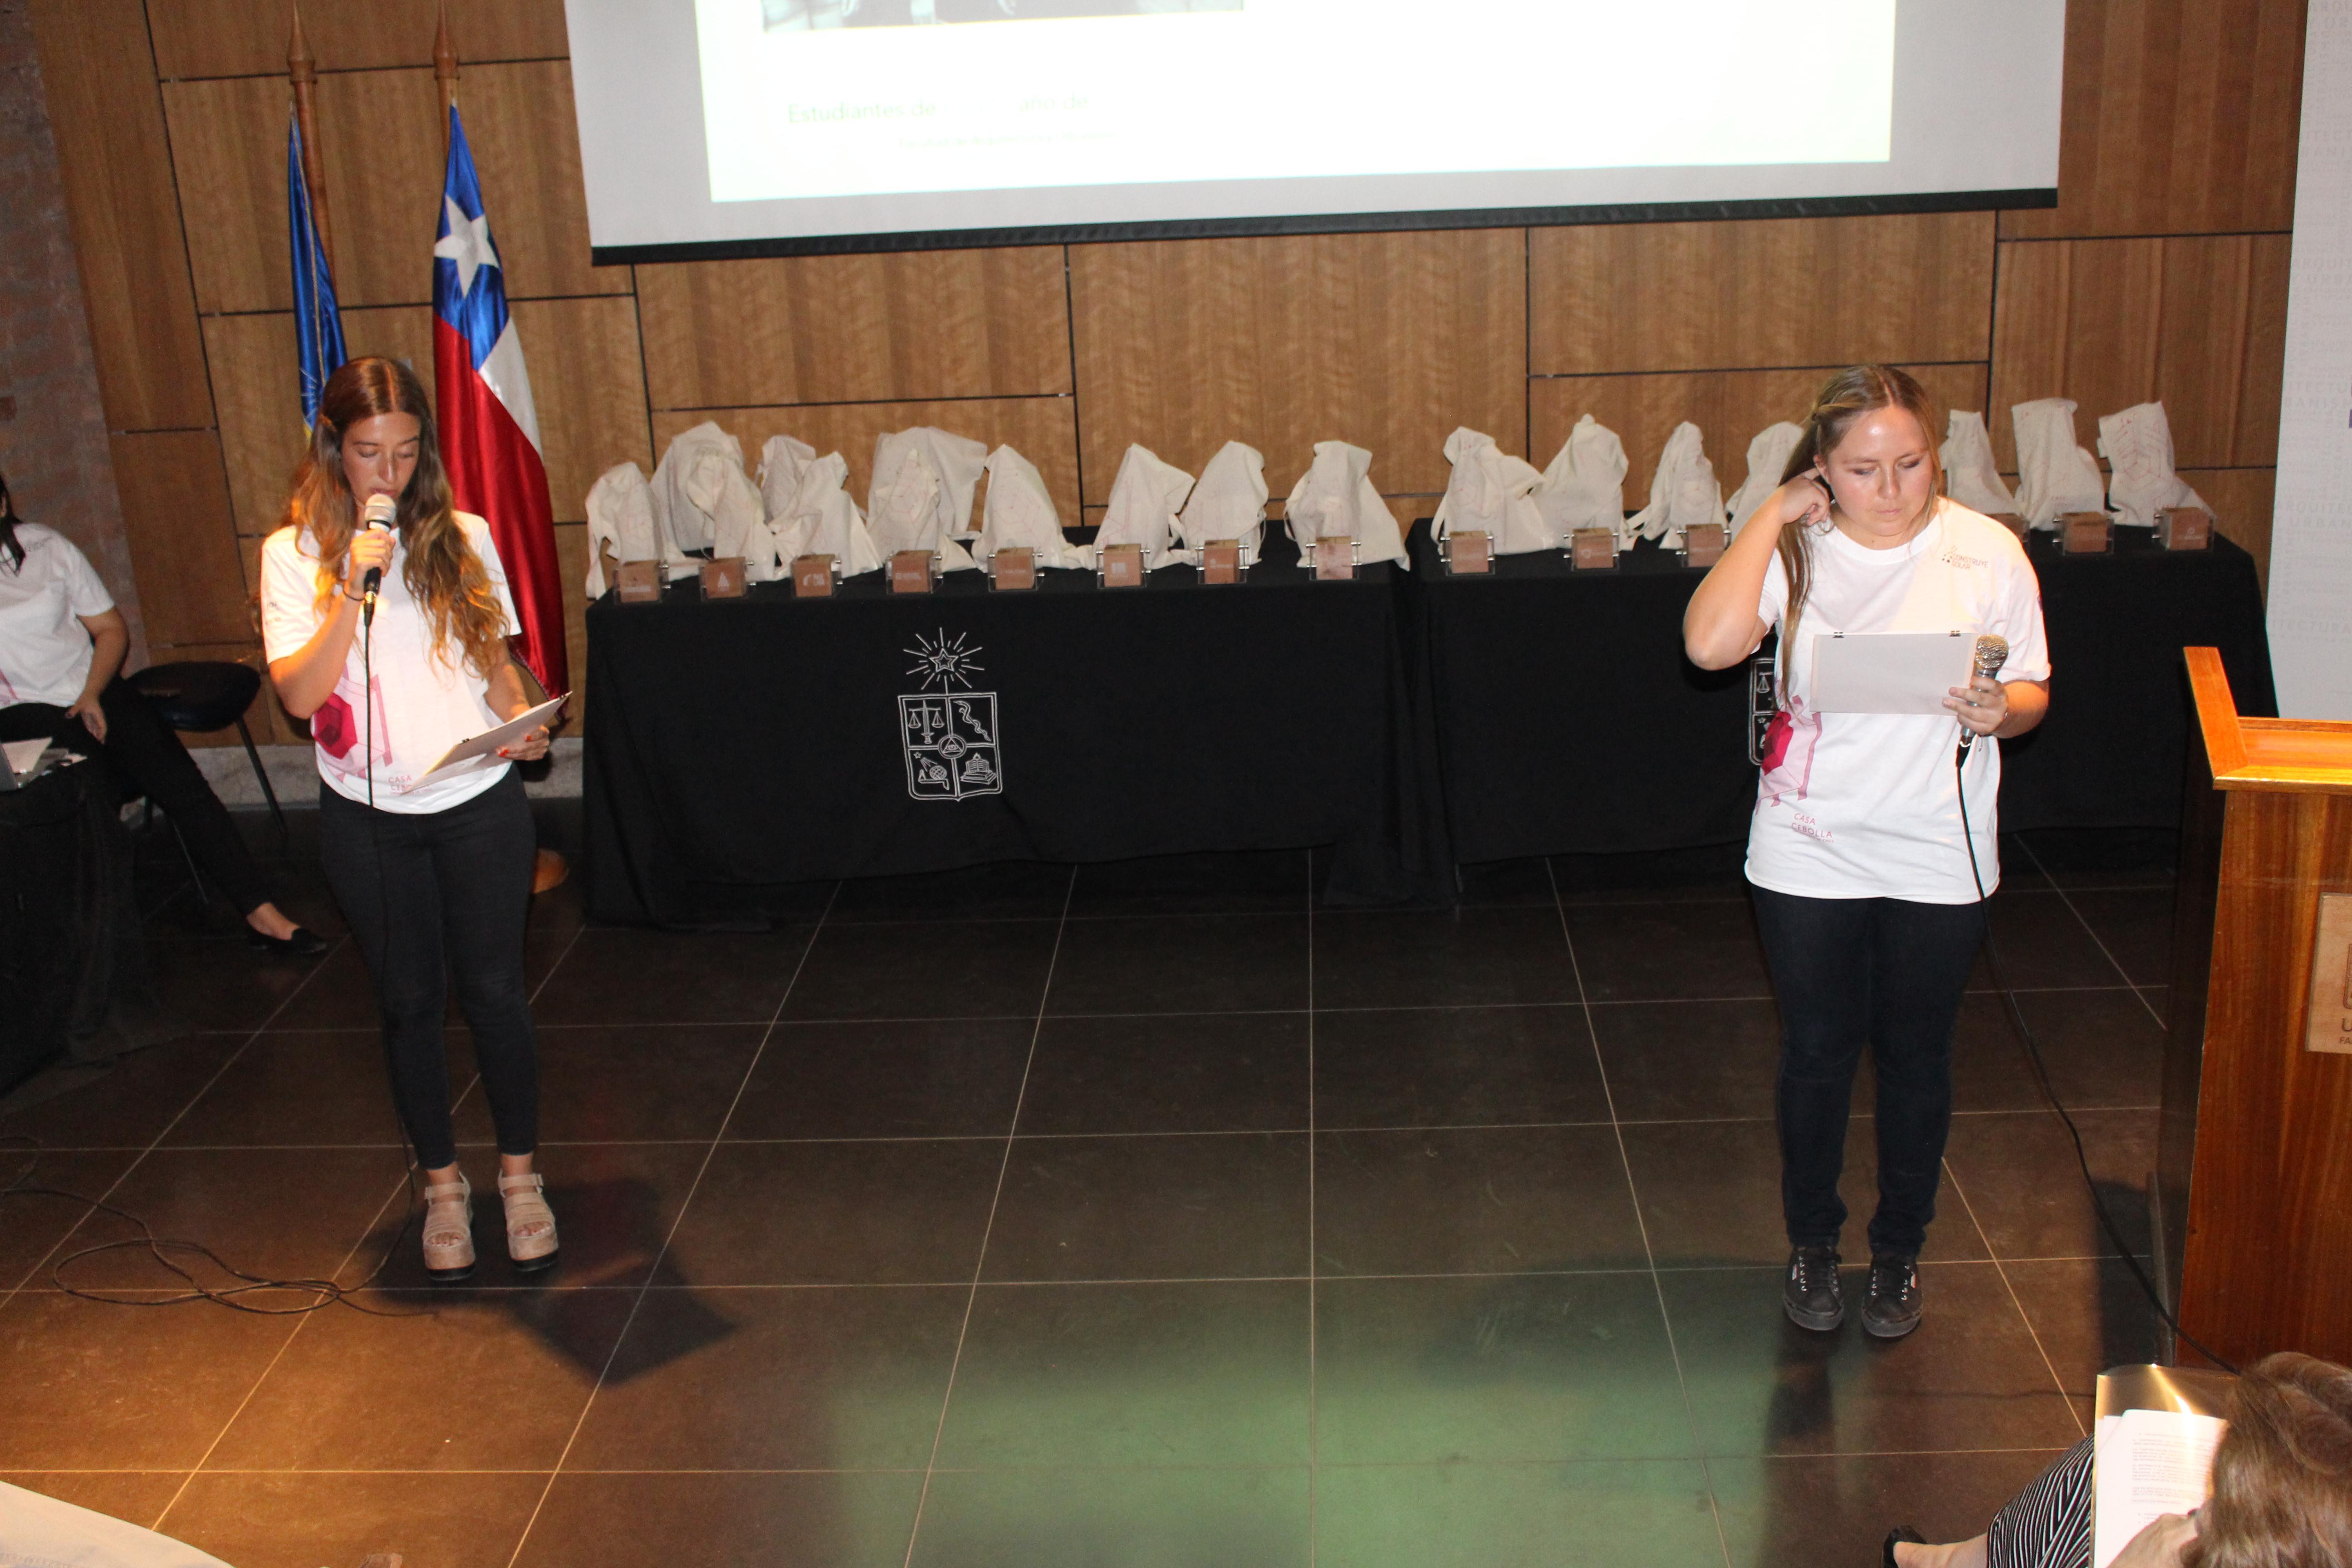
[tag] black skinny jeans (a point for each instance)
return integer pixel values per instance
(1887, 973)
(145, 754)
(432, 896)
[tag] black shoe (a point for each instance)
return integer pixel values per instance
(1891, 1308)
(1902, 1532)
(1811, 1293)
(304, 943)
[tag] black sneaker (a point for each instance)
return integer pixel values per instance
(1891, 1308)
(1811, 1292)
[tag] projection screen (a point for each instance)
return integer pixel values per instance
(778, 127)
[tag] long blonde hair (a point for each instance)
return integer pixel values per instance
(441, 568)
(1845, 397)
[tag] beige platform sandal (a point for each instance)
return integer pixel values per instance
(531, 1224)
(449, 1231)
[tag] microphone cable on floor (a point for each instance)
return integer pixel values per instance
(2041, 1080)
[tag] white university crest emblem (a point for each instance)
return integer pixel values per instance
(948, 730)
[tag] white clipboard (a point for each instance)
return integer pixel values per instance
(489, 741)
(1890, 672)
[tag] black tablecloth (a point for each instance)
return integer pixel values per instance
(1568, 720)
(740, 746)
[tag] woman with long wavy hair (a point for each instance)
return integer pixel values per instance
(1858, 859)
(434, 873)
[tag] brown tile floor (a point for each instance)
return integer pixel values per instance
(1135, 1213)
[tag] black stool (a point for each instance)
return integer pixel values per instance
(200, 694)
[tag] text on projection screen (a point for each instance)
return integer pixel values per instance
(814, 98)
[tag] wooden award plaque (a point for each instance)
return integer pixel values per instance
(2088, 532)
(811, 576)
(2185, 528)
(638, 582)
(1335, 559)
(911, 571)
(723, 578)
(1593, 548)
(2013, 522)
(1221, 561)
(1471, 554)
(1123, 566)
(1703, 544)
(1012, 571)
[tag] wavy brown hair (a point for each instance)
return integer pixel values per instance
(1844, 398)
(441, 568)
(2282, 1475)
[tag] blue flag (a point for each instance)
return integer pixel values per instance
(318, 324)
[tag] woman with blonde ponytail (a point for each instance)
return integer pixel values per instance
(1857, 855)
(434, 873)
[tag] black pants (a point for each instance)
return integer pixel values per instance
(1849, 973)
(430, 898)
(146, 755)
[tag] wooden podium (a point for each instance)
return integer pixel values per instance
(2255, 1164)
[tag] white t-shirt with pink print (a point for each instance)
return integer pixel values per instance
(426, 698)
(1859, 805)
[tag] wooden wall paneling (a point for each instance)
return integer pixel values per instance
(2177, 118)
(855, 329)
(380, 145)
(2242, 500)
(1389, 341)
(1728, 406)
(588, 384)
(2075, 318)
(175, 510)
(525, 138)
(1753, 295)
(240, 37)
(571, 565)
(2262, 380)
(403, 332)
(117, 171)
(1042, 429)
(228, 153)
(258, 395)
(271, 724)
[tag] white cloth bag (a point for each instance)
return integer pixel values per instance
(1585, 484)
(1767, 457)
(819, 518)
(731, 506)
(1144, 500)
(781, 462)
(621, 514)
(2137, 446)
(921, 495)
(1336, 496)
(1019, 513)
(1683, 491)
(1491, 491)
(2054, 476)
(1971, 477)
(1228, 502)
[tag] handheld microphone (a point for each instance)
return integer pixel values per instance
(1992, 652)
(380, 512)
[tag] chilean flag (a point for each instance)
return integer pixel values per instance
(489, 431)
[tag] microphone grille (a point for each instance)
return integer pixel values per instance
(1992, 652)
(381, 511)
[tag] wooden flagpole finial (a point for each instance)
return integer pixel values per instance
(445, 72)
(302, 71)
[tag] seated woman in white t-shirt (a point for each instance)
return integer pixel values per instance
(62, 647)
(1864, 895)
(423, 866)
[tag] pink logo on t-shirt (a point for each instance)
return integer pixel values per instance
(334, 727)
(1789, 744)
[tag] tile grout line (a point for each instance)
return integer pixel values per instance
(980, 1262)
(670, 1235)
(1633, 1195)
(2096, 941)
(2007, 1284)
(157, 1143)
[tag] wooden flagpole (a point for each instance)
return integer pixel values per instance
(445, 74)
(302, 71)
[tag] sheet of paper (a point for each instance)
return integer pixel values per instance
(489, 741)
(23, 755)
(1889, 672)
(2145, 1464)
